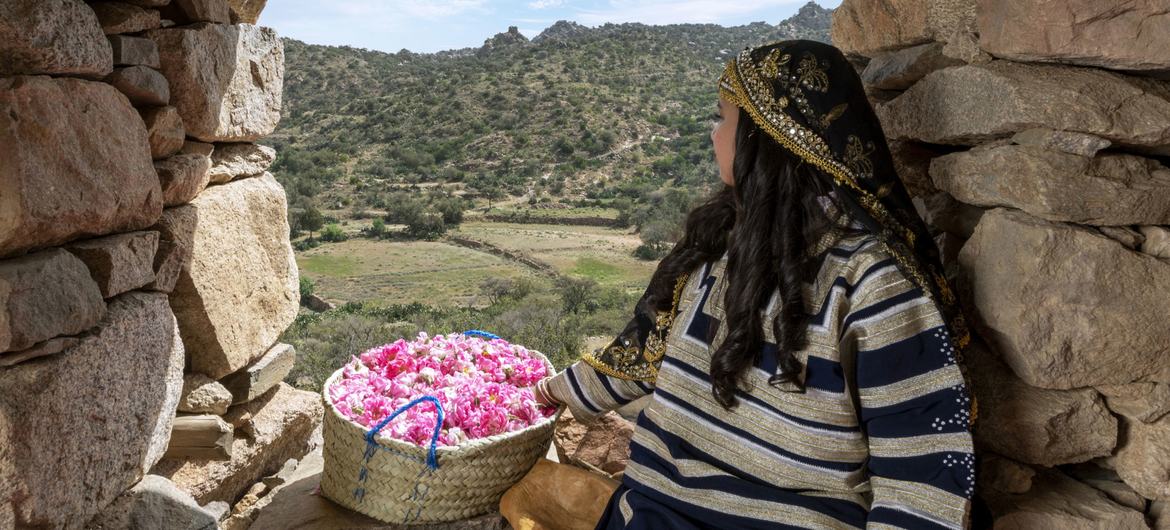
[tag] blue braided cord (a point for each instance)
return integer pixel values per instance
(432, 460)
(478, 333)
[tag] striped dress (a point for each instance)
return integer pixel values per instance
(901, 458)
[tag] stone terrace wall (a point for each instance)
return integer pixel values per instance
(1034, 135)
(145, 265)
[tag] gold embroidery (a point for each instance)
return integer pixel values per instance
(857, 156)
(639, 362)
(772, 63)
(812, 75)
(833, 114)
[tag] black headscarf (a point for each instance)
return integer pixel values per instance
(809, 98)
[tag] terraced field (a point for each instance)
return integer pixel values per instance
(440, 273)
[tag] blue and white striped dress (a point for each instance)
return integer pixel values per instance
(793, 460)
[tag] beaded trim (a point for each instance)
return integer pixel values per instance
(626, 359)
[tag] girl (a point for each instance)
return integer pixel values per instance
(800, 345)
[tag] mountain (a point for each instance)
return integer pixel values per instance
(577, 109)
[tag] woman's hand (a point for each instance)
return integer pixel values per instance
(542, 395)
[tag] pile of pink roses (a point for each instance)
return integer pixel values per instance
(484, 387)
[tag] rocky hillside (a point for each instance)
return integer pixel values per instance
(580, 106)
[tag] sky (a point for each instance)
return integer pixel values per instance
(432, 25)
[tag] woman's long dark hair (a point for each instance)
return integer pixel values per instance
(765, 222)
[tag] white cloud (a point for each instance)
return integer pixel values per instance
(677, 12)
(544, 4)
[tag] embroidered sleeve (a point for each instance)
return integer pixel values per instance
(623, 370)
(914, 405)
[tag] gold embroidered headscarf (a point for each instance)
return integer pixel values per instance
(808, 97)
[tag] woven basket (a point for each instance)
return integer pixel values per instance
(390, 480)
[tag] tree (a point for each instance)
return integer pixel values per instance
(310, 220)
(333, 233)
(577, 294)
(377, 229)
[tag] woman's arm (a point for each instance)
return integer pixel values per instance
(622, 371)
(914, 406)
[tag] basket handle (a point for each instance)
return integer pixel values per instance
(432, 460)
(478, 333)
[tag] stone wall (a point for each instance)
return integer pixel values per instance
(145, 265)
(1034, 135)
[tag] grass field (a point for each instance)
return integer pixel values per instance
(387, 272)
(603, 254)
(437, 273)
(543, 213)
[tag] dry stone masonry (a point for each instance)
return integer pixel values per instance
(145, 265)
(1034, 136)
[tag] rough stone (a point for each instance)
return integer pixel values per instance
(911, 162)
(190, 11)
(1156, 241)
(155, 502)
(943, 213)
(1142, 401)
(1067, 141)
(120, 262)
(144, 86)
(119, 17)
(200, 148)
(227, 80)
(182, 177)
(1004, 475)
(963, 45)
(1059, 501)
(200, 436)
(1037, 425)
(203, 394)
(164, 128)
(603, 445)
(968, 105)
(52, 346)
(1159, 512)
(900, 69)
(1130, 238)
(1124, 189)
(1128, 36)
(76, 135)
(59, 37)
(240, 290)
(44, 295)
(282, 422)
(296, 505)
(257, 378)
(1143, 458)
(868, 26)
(176, 230)
(131, 51)
(238, 160)
(100, 418)
(1038, 296)
(246, 11)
